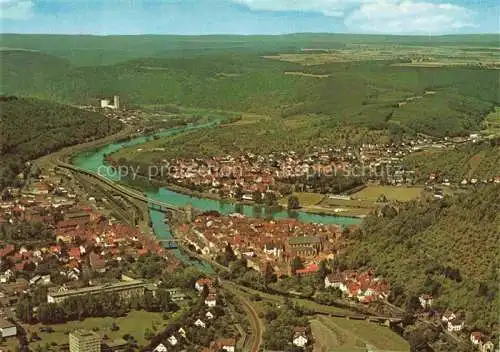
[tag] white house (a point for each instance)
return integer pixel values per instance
(227, 345)
(34, 279)
(299, 336)
(247, 196)
(211, 301)
(6, 276)
(336, 281)
(182, 332)
(160, 348)
(299, 340)
(476, 338)
(448, 316)
(455, 325)
(209, 315)
(172, 340)
(202, 282)
(200, 323)
(488, 346)
(273, 249)
(45, 279)
(425, 300)
(7, 328)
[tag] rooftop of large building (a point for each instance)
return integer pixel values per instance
(82, 333)
(91, 289)
(304, 240)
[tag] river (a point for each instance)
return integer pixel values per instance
(92, 160)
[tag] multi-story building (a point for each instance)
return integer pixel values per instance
(124, 289)
(84, 341)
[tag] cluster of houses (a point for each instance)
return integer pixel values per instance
(79, 238)
(202, 321)
(248, 176)
(263, 242)
(435, 179)
(75, 223)
(454, 322)
(211, 297)
(76, 231)
(222, 344)
(364, 287)
(482, 343)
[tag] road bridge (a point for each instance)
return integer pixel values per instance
(136, 195)
(171, 243)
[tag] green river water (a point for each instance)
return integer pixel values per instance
(93, 160)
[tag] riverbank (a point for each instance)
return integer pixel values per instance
(316, 210)
(349, 212)
(91, 158)
(163, 231)
(142, 182)
(66, 153)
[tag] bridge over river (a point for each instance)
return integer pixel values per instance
(155, 204)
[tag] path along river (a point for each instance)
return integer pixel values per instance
(93, 160)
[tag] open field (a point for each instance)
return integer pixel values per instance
(353, 335)
(328, 338)
(135, 323)
(324, 338)
(338, 210)
(347, 207)
(365, 201)
(347, 203)
(305, 198)
(392, 193)
(88, 50)
(304, 74)
(408, 55)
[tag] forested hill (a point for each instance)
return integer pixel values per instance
(480, 161)
(448, 248)
(335, 94)
(30, 128)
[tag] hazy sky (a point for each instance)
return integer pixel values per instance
(249, 16)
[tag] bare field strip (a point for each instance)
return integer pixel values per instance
(305, 74)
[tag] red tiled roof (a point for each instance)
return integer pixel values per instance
(55, 249)
(6, 250)
(211, 297)
(74, 252)
(204, 281)
(311, 268)
(143, 251)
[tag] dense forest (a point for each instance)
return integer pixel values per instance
(448, 248)
(480, 161)
(30, 128)
(362, 94)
